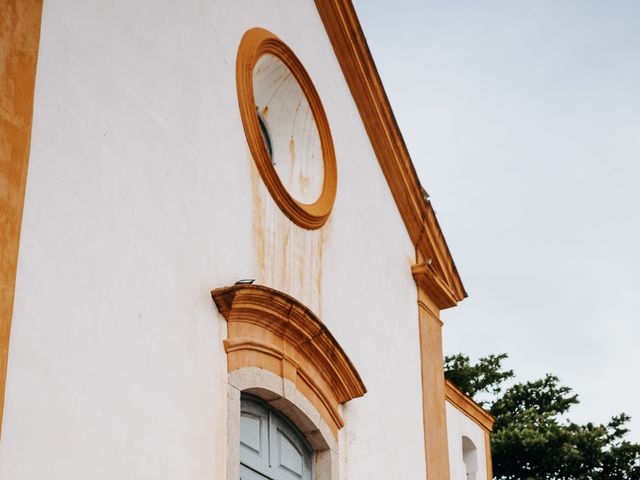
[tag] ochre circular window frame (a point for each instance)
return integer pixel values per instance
(254, 44)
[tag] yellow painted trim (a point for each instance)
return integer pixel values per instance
(254, 44)
(271, 330)
(428, 280)
(19, 41)
(487, 451)
(350, 46)
(438, 282)
(466, 405)
(433, 398)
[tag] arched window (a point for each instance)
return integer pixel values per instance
(470, 458)
(281, 356)
(271, 448)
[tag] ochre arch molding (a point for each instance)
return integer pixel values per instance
(269, 329)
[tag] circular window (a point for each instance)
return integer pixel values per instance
(286, 128)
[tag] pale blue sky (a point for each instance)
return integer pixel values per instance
(523, 121)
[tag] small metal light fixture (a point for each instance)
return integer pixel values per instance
(266, 137)
(245, 281)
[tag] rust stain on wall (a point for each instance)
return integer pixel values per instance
(304, 182)
(289, 258)
(258, 219)
(318, 276)
(292, 157)
(19, 40)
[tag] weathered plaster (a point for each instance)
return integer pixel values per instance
(139, 202)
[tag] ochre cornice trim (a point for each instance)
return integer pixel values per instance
(350, 46)
(434, 286)
(271, 330)
(467, 406)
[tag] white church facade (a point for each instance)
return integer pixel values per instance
(218, 262)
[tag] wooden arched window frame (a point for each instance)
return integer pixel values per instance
(270, 330)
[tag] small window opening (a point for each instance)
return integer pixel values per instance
(266, 136)
(470, 458)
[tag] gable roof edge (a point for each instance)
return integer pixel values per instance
(469, 407)
(353, 54)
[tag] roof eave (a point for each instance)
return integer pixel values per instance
(351, 49)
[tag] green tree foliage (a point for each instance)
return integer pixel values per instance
(485, 376)
(532, 438)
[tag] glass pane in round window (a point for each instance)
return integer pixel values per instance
(289, 129)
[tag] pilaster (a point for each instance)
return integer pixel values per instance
(433, 390)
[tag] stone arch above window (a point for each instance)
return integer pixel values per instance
(270, 330)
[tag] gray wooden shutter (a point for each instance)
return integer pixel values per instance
(271, 448)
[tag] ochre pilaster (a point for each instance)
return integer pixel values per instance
(19, 40)
(487, 451)
(433, 389)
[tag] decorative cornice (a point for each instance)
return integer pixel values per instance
(427, 278)
(358, 67)
(271, 330)
(467, 406)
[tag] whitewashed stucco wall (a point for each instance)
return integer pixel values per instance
(139, 202)
(458, 426)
